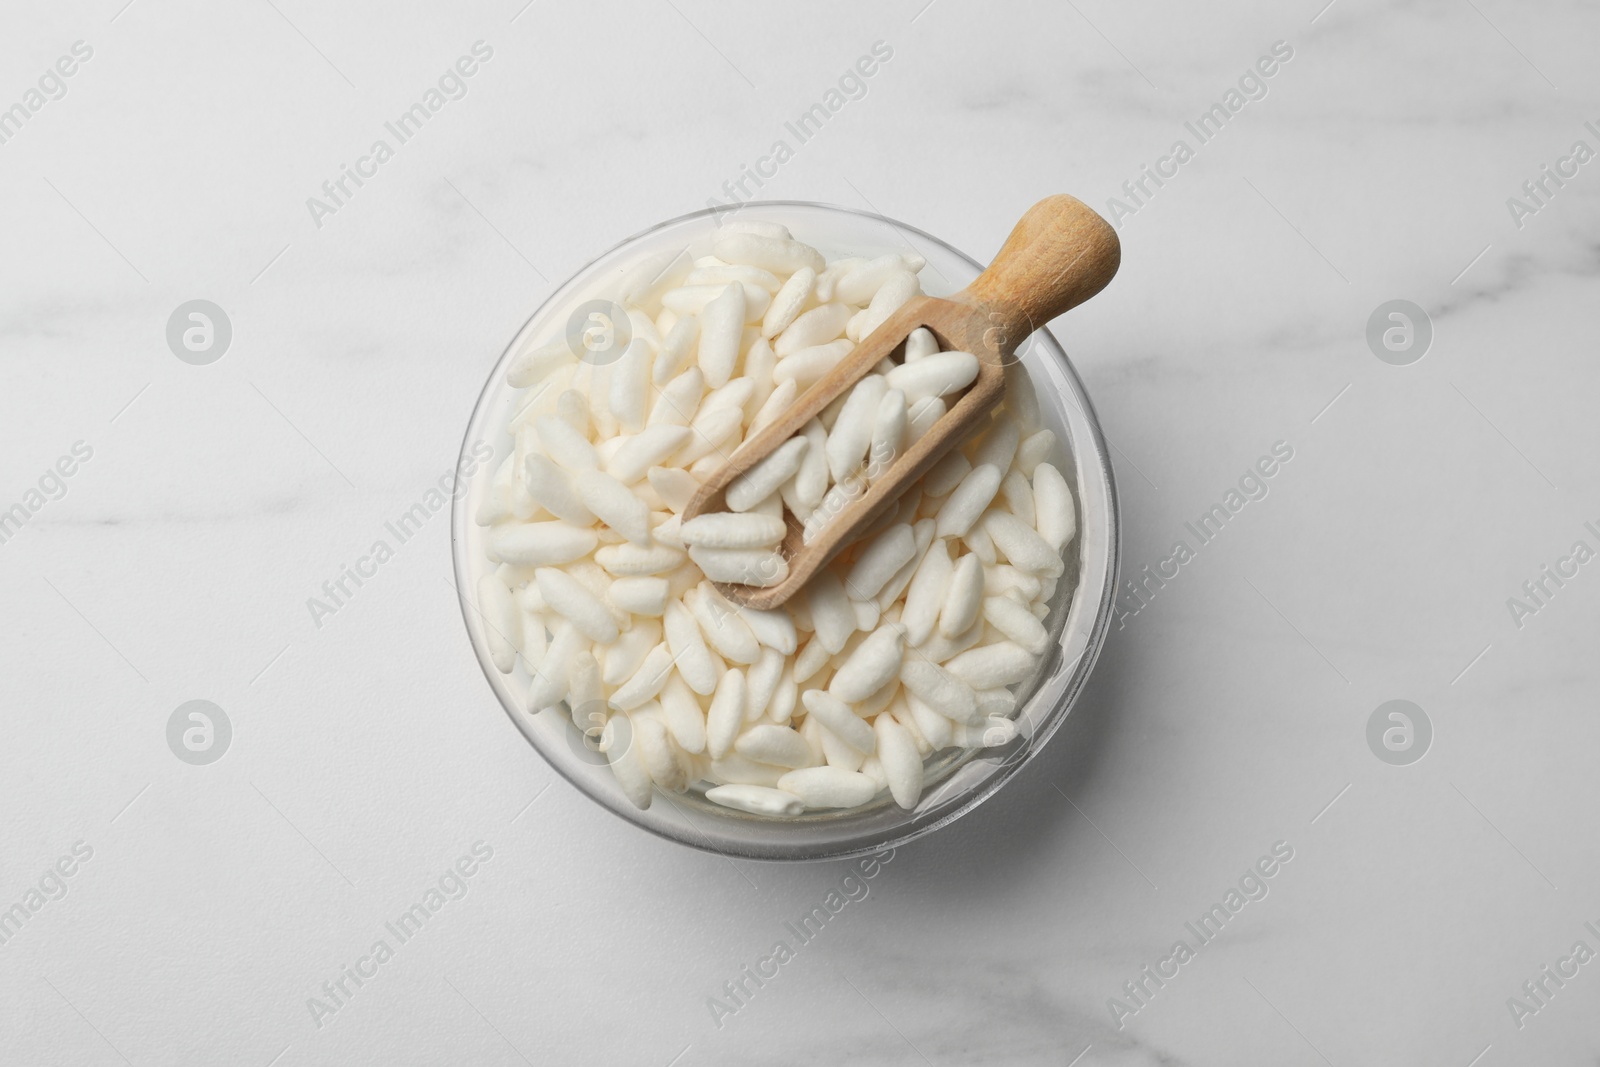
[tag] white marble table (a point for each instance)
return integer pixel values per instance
(208, 905)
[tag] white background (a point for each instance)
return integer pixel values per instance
(368, 754)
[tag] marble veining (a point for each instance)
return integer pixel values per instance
(1230, 714)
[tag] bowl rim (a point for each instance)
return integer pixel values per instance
(917, 825)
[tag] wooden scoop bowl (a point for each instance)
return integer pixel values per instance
(1059, 254)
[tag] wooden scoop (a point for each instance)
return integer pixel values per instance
(1059, 255)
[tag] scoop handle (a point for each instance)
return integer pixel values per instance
(1059, 254)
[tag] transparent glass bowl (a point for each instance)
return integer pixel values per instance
(956, 781)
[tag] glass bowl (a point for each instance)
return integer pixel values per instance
(956, 781)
